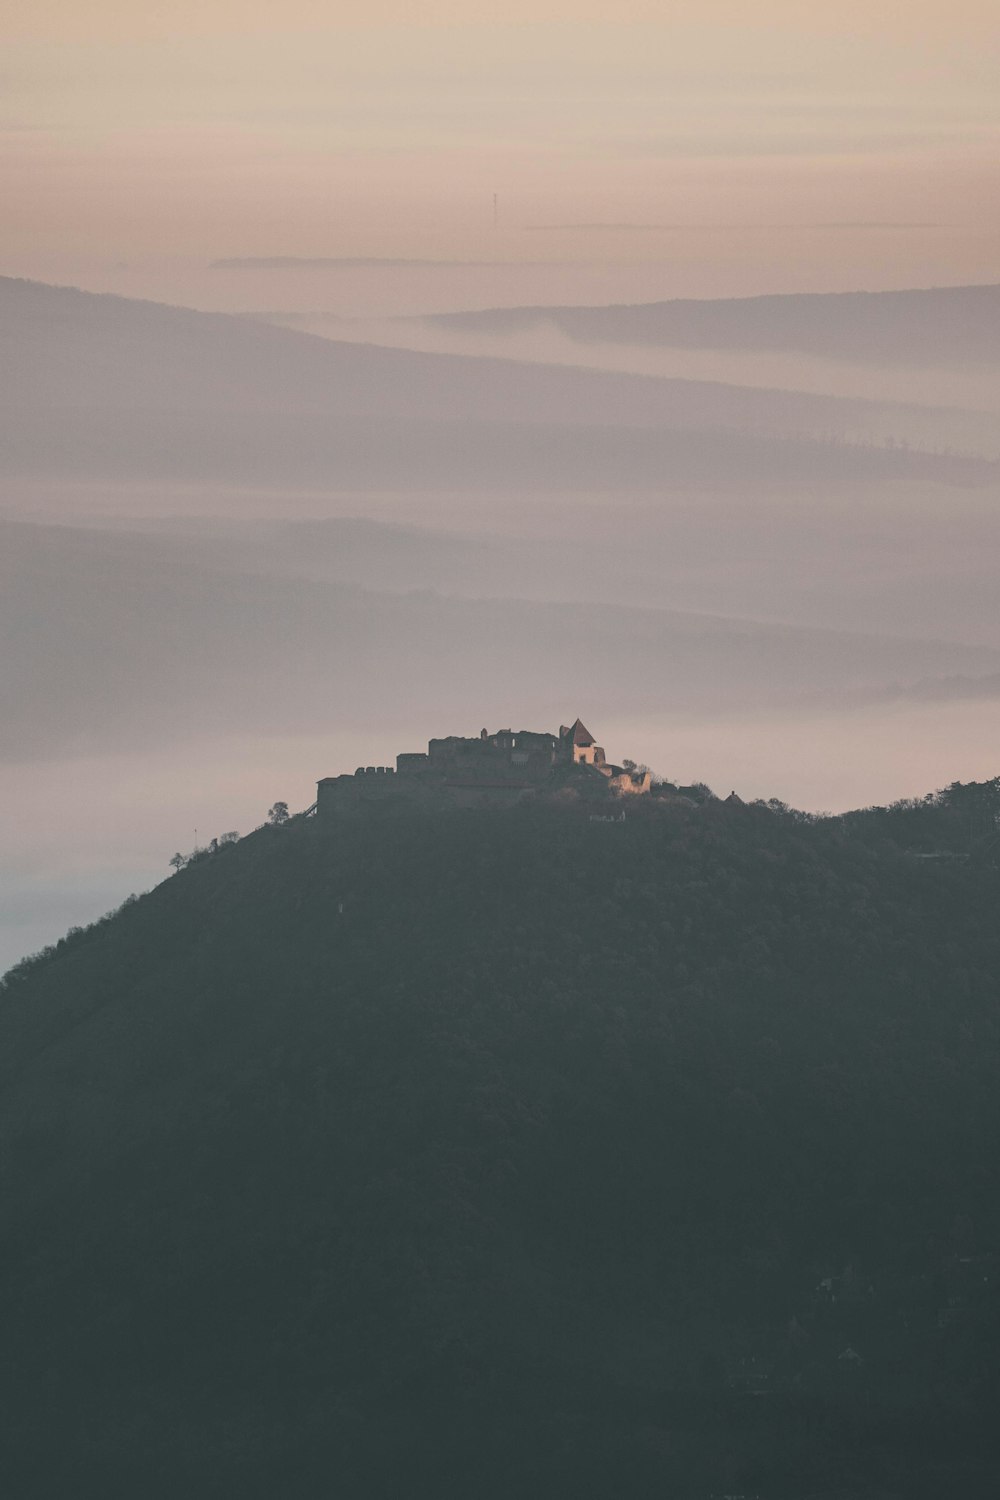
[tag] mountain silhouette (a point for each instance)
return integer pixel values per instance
(516, 1153)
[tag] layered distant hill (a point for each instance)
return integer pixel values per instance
(123, 639)
(516, 1154)
(940, 325)
(253, 556)
(106, 388)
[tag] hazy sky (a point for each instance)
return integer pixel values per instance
(140, 133)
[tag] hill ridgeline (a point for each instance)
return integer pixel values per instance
(516, 1153)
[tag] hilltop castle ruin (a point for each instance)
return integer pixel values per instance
(489, 770)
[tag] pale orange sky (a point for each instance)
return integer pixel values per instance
(167, 136)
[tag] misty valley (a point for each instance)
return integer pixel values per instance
(508, 1118)
(230, 553)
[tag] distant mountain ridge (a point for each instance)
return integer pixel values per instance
(933, 326)
(100, 386)
(116, 634)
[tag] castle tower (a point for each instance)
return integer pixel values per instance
(579, 745)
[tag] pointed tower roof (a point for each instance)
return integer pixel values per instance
(578, 733)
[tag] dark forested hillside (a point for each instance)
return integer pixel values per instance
(515, 1154)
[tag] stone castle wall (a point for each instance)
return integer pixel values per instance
(495, 770)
